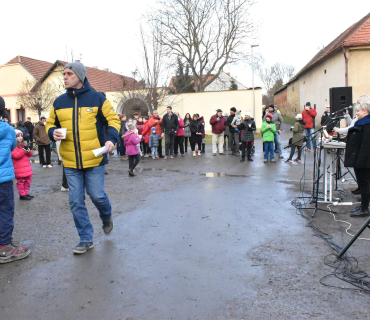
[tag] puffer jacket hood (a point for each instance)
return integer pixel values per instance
(7, 144)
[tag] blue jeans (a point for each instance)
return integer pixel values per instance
(6, 212)
(308, 132)
(93, 180)
(278, 143)
(154, 152)
(269, 149)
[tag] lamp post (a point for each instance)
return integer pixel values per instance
(254, 104)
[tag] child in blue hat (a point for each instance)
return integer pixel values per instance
(154, 143)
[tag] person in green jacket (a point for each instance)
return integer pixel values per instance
(297, 140)
(268, 130)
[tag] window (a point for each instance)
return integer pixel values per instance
(21, 115)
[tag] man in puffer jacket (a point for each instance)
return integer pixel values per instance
(308, 116)
(247, 127)
(9, 250)
(87, 115)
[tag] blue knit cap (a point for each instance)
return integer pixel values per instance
(154, 129)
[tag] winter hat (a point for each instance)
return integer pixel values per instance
(18, 132)
(78, 68)
(233, 109)
(131, 127)
(154, 129)
(269, 115)
(298, 116)
(248, 113)
(308, 104)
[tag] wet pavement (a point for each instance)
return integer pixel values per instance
(195, 238)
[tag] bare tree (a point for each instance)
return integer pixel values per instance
(207, 34)
(149, 86)
(38, 98)
(282, 71)
(266, 74)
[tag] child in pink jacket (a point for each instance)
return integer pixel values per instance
(132, 139)
(22, 167)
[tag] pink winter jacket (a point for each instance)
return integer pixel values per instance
(131, 142)
(180, 130)
(21, 162)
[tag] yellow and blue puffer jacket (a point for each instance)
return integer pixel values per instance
(90, 121)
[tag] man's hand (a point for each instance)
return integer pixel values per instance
(57, 135)
(279, 131)
(162, 135)
(336, 129)
(110, 145)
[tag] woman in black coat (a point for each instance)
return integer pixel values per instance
(358, 156)
(196, 128)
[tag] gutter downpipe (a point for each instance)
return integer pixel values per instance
(346, 67)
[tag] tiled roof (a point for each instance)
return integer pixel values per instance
(101, 80)
(36, 67)
(356, 35)
(173, 79)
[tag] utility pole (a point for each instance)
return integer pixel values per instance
(254, 103)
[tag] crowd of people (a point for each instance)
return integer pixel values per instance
(80, 140)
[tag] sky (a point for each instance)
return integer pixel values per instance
(105, 33)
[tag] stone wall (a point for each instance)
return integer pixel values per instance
(293, 97)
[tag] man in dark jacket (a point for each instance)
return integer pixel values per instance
(170, 125)
(9, 250)
(234, 134)
(218, 124)
(247, 127)
(122, 149)
(28, 124)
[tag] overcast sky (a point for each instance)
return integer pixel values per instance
(106, 32)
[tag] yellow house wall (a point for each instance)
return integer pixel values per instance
(359, 71)
(206, 103)
(11, 79)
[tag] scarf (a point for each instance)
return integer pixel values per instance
(363, 121)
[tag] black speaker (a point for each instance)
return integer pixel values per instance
(340, 98)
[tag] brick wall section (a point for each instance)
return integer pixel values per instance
(280, 100)
(293, 98)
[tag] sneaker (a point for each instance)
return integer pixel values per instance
(12, 252)
(146, 155)
(108, 226)
(165, 158)
(288, 161)
(215, 154)
(64, 189)
(281, 156)
(154, 158)
(44, 166)
(172, 157)
(82, 247)
(24, 198)
(272, 160)
(123, 158)
(50, 166)
(297, 160)
(264, 160)
(194, 155)
(308, 150)
(199, 153)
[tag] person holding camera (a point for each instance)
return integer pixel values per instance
(170, 125)
(308, 115)
(247, 127)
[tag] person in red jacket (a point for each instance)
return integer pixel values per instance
(308, 116)
(156, 121)
(22, 167)
(147, 131)
(218, 124)
(179, 138)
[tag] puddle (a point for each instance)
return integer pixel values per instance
(154, 169)
(223, 174)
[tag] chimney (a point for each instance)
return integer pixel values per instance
(105, 69)
(95, 67)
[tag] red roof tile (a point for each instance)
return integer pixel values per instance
(356, 35)
(36, 67)
(101, 80)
